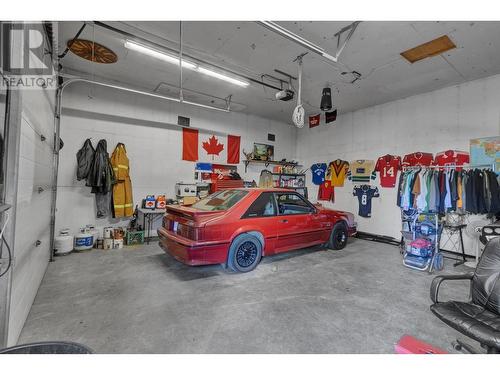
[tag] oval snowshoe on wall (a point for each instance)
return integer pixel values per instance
(92, 51)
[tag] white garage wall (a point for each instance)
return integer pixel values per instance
(154, 149)
(33, 207)
(431, 122)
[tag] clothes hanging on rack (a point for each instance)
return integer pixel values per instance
(422, 198)
(442, 190)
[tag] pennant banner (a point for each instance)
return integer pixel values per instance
(314, 120)
(189, 144)
(233, 149)
(330, 116)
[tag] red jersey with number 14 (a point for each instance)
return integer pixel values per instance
(388, 167)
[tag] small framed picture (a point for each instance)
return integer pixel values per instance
(263, 152)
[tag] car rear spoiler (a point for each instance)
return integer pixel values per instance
(191, 213)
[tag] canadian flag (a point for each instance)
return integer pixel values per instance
(209, 147)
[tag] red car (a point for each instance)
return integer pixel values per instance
(239, 226)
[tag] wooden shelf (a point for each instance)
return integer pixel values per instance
(271, 162)
(289, 174)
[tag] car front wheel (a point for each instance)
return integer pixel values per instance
(338, 238)
(245, 253)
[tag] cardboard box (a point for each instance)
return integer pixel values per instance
(186, 201)
(185, 189)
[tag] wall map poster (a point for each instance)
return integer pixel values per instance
(485, 151)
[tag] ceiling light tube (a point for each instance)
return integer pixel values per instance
(297, 39)
(73, 79)
(158, 54)
(223, 77)
(205, 106)
(138, 47)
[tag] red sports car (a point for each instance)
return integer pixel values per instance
(239, 226)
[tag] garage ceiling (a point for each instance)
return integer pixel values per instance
(246, 47)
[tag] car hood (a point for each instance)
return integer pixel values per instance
(347, 216)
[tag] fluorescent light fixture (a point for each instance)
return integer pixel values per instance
(297, 39)
(223, 77)
(185, 64)
(72, 79)
(205, 106)
(158, 54)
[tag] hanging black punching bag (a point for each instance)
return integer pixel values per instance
(326, 99)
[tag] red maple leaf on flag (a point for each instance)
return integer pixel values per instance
(213, 147)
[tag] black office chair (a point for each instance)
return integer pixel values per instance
(478, 319)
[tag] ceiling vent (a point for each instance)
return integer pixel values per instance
(429, 49)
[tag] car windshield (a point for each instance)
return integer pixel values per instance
(220, 201)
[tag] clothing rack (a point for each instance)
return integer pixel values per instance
(452, 230)
(465, 166)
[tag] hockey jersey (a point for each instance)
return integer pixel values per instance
(361, 171)
(451, 157)
(337, 172)
(388, 167)
(418, 159)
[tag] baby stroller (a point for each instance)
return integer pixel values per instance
(422, 253)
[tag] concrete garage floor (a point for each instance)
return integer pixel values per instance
(140, 300)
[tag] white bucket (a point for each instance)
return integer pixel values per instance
(63, 244)
(118, 244)
(83, 240)
(107, 244)
(108, 232)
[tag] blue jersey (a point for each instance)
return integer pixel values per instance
(365, 193)
(318, 173)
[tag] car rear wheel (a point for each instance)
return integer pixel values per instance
(338, 238)
(245, 253)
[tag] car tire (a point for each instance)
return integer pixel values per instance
(245, 253)
(338, 237)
